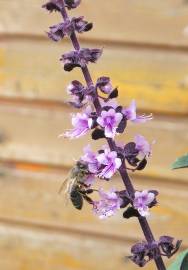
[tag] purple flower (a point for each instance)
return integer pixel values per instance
(91, 159)
(72, 3)
(142, 200)
(104, 84)
(80, 58)
(110, 163)
(53, 5)
(108, 205)
(110, 120)
(81, 123)
(89, 180)
(142, 146)
(130, 114)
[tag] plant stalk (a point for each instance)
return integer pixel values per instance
(123, 171)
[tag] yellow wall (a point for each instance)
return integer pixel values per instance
(146, 55)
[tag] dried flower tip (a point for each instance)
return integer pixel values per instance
(80, 58)
(72, 3)
(53, 5)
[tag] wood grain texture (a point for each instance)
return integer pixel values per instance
(32, 135)
(38, 203)
(37, 229)
(158, 81)
(29, 249)
(154, 22)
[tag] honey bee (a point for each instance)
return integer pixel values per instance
(74, 188)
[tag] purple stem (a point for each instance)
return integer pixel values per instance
(123, 171)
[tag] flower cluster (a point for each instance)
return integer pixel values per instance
(104, 164)
(104, 118)
(111, 119)
(80, 58)
(144, 252)
(58, 31)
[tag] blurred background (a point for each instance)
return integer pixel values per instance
(146, 55)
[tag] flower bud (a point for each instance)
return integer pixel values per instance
(104, 84)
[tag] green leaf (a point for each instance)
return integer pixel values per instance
(184, 265)
(181, 162)
(181, 262)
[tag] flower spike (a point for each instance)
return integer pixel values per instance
(102, 114)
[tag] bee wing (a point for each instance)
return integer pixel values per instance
(67, 186)
(63, 185)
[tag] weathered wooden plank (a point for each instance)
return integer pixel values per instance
(157, 80)
(155, 22)
(32, 135)
(45, 250)
(37, 201)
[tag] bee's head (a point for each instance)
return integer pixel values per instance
(81, 166)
